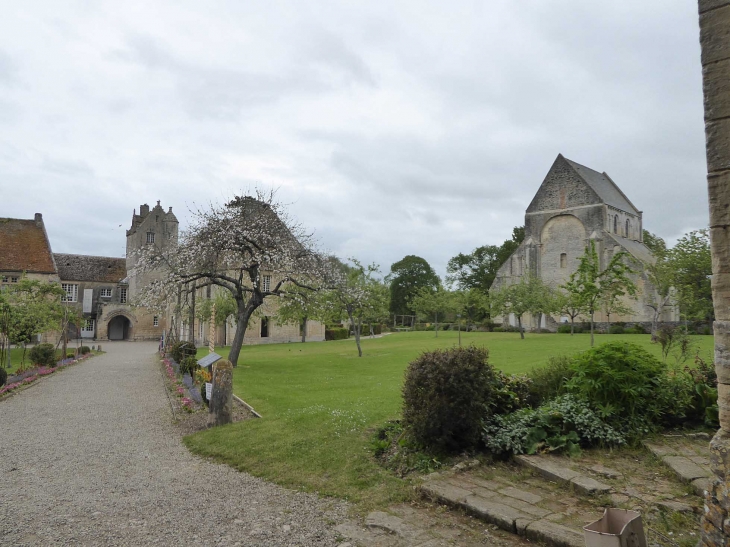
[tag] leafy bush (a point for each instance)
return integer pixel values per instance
(626, 385)
(564, 424)
(83, 350)
(616, 329)
(509, 393)
(3, 376)
(498, 329)
(703, 408)
(548, 382)
(70, 355)
(444, 397)
(181, 350)
(43, 355)
(564, 328)
(336, 333)
(638, 328)
(188, 366)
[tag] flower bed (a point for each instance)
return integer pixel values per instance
(31, 375)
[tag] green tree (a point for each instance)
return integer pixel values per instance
(661, 273)
(692, 264)
(569, 304)
(298, 306)
(590, 285)
(478, 269)
(433, 304)
(471, 304)
(529, 295)
(407, 277)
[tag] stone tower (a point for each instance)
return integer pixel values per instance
(149, 227)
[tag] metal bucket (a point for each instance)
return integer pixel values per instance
(616, 528)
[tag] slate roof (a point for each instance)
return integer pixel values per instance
(101, 269)
(606, 189)
(24, 246)
(634, 248)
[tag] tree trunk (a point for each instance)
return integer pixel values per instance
(592, 341)
(714, 33)
(355, 329)
(243, 315)
(572, 325)
(436, 324)
(519, 324)
(304, 330)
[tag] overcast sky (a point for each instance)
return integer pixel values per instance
(391, 128)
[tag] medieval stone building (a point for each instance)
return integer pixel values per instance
(103, 289)
(573, 206)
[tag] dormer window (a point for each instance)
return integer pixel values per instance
(150, 237)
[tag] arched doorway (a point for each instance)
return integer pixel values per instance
(120, 328)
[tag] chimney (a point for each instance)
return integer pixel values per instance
(144, 210)
(39, 219)
(169, 210)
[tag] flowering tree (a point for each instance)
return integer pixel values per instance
(249, 247)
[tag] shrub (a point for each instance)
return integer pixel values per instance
(625, 384)
(444, 397)
(562, 425)
(3, 376)
(497, 329)
(509, 393)
(181, 350)
(83, 350)
(564, 328)
(638, 328)
(188, 366)
(336, 333)
(549, 381)
(70, 355)
(616, 329)
(43, 355)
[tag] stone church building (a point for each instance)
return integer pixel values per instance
(103, 289)
(573, 206)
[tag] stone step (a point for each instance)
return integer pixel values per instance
(563, 475)
(689, 465)
(509, 508)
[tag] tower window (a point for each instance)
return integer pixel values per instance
(563, 260)
(150, 237)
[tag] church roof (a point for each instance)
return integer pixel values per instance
(604, 187)
(101, 269)
(24, 246)
(635, 248)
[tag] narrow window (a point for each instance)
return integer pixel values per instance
(150, 237)
(615, 224)
(200, 330)
(627, 228)
(155, 321)
(267, 283)
(123, 295)
(72, 292)
(264, 327)
(563, 260)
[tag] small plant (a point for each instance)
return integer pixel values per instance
(549, 381)
(83, 350)
(43, 355)
(616, 329)
(444, 397)
(181, 350)
(189, 365)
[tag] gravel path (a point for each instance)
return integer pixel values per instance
(89, 456)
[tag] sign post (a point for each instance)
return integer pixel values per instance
(206, 362)
(211, 334)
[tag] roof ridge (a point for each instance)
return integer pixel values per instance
(91, 256)
(577, 166)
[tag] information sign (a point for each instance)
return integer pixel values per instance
(208, 360)
(208, 390)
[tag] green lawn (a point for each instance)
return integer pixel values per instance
(320, 404)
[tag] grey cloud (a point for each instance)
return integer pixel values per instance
(325, 47)
(70, 168)
(8, 70)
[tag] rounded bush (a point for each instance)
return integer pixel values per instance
(188, 366)
(445, 395)
(83, 350)
(3, 376)
(616, 329)
(181, 350)
(43, 355)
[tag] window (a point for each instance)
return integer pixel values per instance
(150, 237)
(267, 283)
(88, 325)
(5, 279)
(72, 292)
(155, 321)
(615, 224)
(563, 260)
(123, 295)
(627, 228)
(13, 279)
(200, 330)
(264, 327)
(105, 293)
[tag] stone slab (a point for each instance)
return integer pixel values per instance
(701, 486)
(677, 506)
(445, 492)
(547, 469)
(554, 534)
(659, 450)
(495, 513)
(530, 509)
(589, 486)
(527, 497)
(391, 524)
(606, 472)
(685, 468)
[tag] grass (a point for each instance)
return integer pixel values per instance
(320, 404)
(16, 355)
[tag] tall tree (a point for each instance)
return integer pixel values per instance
(691, 260)
(529, 295)
(590, 285)
(433, 304)
(407, 277)
(661, 274)
(478, 269)
(249, 247)
(715, 42)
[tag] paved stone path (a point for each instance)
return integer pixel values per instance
(89, 457)
(688, 457)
